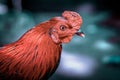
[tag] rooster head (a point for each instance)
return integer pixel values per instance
(65, 27)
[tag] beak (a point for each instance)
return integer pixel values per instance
(80, 34)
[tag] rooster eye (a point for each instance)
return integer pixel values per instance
(62, 27)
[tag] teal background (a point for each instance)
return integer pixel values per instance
(98, 53)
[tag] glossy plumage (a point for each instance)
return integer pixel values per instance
(36, 55)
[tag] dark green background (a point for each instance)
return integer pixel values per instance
(100, 24)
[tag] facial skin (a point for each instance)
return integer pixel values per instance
(63, 31)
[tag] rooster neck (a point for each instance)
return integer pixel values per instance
(34, 56)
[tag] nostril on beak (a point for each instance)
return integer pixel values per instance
(77, 29)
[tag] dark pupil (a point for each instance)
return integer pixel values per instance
(62, 27)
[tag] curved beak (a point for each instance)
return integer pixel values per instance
(80, 34)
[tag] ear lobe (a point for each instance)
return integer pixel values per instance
(54, 36)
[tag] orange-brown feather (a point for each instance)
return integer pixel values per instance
(34, 56)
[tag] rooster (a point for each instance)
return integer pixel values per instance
(36, 55)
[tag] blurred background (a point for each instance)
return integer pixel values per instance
(95, 57)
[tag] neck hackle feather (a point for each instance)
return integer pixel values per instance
(36, 55)
(33, 57)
